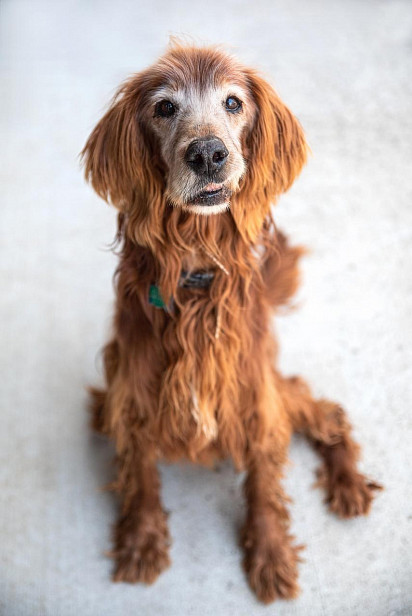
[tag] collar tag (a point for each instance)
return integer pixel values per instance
(155, 299)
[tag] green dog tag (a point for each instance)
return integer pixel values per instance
(155, 298)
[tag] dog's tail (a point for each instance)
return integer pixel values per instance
(281, 271)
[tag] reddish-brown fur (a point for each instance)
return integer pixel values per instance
(200, 381)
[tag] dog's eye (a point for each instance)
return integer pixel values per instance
(165, 109)
(233, 104)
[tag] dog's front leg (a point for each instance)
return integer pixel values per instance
(141, 536)
(270, 557)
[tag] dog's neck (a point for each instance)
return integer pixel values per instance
(186, 243)
(195, 242)
(195, 260)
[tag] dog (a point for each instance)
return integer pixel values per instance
(193, 151)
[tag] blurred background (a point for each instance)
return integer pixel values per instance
(344, 68)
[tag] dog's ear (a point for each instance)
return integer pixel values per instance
(117, 157)
(275, 150)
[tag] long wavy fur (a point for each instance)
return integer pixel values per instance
(198, 380)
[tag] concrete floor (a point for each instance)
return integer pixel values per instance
(345, 69)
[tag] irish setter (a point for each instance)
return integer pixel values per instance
(192, 152)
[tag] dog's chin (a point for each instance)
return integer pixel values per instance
(213, 199)
(206, 210)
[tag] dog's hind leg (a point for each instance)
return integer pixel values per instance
(348, 492)
(98, 402)
(281, 270)
(97, 405)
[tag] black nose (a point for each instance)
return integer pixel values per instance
(206, 156)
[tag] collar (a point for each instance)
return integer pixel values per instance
(199, 279)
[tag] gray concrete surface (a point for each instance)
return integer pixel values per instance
(345, 69)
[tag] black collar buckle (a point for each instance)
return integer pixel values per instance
(200, 279)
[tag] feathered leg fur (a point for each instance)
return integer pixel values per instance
(141, 537)
(271, 558)
(348, 492)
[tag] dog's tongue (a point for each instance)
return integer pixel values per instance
(211, 187)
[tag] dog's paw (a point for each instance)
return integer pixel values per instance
(271, 566)
(351, 494)
(143, 554)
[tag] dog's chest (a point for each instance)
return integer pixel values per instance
(205, 420)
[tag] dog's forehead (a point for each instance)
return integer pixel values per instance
(193, 71)
(201, 66)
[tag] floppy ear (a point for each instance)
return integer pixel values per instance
(116, 156)
(275, 149)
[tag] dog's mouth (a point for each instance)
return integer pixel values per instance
(211, 194)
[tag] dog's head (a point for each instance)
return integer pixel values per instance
(200, 132)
